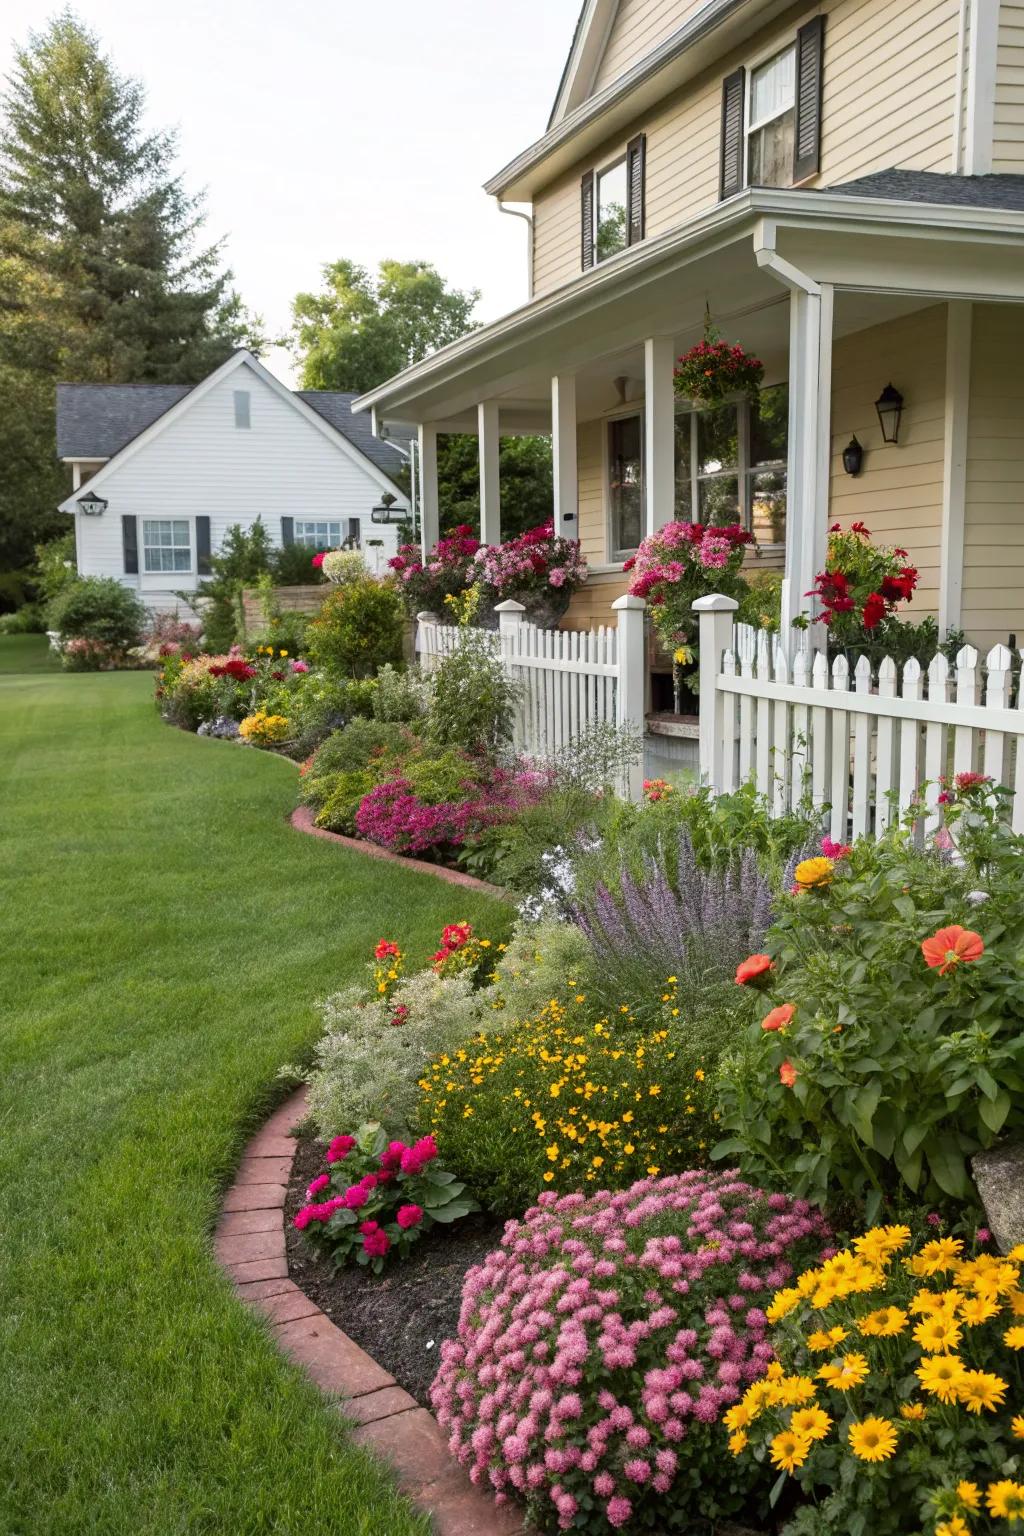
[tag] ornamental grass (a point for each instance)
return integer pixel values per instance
(568, 1101)
(896, 1400)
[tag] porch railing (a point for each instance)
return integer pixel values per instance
(801, 727)
(568, 679)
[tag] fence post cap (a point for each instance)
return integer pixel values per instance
(510, 606)
(426, 615)
(628, 601)
(715, 602)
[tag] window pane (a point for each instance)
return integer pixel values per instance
(182, 559)
(768, 506)
(770, 153)
(180, 533)
(684, 493)
(717, 439)
(610, 204)
(720, 499)
(769, 423)
(625, 483)
(772, 87)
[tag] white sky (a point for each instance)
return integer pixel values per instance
(350, 128)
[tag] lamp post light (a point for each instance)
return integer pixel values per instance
(92, 505)
(889, 406)
(383, 512)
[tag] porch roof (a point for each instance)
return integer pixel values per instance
(660, 287)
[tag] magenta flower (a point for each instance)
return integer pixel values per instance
(409, 1216)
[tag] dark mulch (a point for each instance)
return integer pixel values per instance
(401, 1316)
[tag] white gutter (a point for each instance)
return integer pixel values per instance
(517, 213)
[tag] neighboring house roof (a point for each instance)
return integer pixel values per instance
(95, 421)
(1002, 190)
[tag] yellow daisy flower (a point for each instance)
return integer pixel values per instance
(980, 1389)
(738, 1417)
(969, 1495)
(812, 872)
(883, 1323)
(1017, 1425)
(813, 1422)
(782, 1304)
(913, 1411)
(738, 1441)
(941, 1375)
(872, 1439)
(1014, 1337)
(1005, 1500)
(954, 1526)
(795, 1390)
(975, 1310)
(850, 1372)
(937, 1335)
(789, 1451)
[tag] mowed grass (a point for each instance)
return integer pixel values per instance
(165, 934)
(27, 653)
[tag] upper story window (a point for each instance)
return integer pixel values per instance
(166, 544)
(242, 418)
(771, 123)
(612, 204)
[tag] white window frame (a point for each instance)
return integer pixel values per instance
(311, 522)
(744, 472)
(598, 173)
(189, 524)
(615, 555)
(749, 126)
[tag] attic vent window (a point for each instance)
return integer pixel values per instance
(772, 122)
(242, 408)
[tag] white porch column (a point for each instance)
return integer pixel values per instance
(490, 480)
(659, 433)
(810, 445)
(959, 319)
(563, 455)
(429, 524)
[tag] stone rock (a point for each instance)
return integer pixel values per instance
(999, 1176)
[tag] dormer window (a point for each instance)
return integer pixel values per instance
(771, 126)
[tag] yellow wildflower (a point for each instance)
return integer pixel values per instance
(941, 1375)
(883, 1323)
(981, 1389)
(850, 1372)
(1017, 1425)
(813, 1422)
(1014, 1337)
(1005, 1500)
(738, 1441)
(937, 1335)
(872, 1439)
(789, 1451)
(814, 872)
(913, 1412)
(954, 1526)
(969, 1495)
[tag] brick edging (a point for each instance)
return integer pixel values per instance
(302, 819)
(250, 1247)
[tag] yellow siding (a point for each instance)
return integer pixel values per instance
(638, 28)
(1008, 132)
(898, 494)
(590, 479)
(890, 81)
(993, 590)
(592, 604)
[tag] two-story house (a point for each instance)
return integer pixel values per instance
(840, 186)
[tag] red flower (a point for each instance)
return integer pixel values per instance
(627, 565)
(874, 610)
(754, 968)
(376, 1244)
(965, 781)
(409, 1216)
(950, 947)
(787, 1074)
(865, 533)
(779, 1017)
(340, 1148)
(385, 948)
(318, 559)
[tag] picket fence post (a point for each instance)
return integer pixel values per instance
(510, 615)
(632, 680)
(715, 620)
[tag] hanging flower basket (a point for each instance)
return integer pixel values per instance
(714, 371)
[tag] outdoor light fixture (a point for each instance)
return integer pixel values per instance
(853, 456)
(383, 512)
(92, 505)
(889, 406)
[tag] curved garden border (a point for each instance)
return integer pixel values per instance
(250, 1247)
(302, 820)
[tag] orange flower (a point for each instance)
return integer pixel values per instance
(779, 1017)
(787, 1074)
(753, 968)
(951, 947)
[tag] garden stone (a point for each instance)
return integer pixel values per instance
(999, 1176)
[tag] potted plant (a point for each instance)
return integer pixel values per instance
(447, 571)
(714, 371)
(538, 569)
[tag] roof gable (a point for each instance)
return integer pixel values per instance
(95, 421)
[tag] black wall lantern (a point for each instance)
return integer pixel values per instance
(92, 505)
(889, 406)
(853, 457)
(383, 513)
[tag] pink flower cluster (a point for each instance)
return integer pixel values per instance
(680, 551)
(394, 816)
(398, 1157)
(534, 560)
(607, 1330)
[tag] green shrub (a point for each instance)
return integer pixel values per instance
(283, 632)
(292, 566)
(323, 704)
(401, 695)
(99, 609)
(537, 964)
(243, 557)
(473, 697)
(338, 796)
(358, 628)
(359, 742)
(30, 619)
(517, 853)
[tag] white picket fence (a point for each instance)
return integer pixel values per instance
(799, 727)
(567, 679)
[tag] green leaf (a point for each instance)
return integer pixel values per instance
(914, 1134)
(949, 1170)
(994, 1114)
(987, 1083)
(862, 1110)
(777, 1487)
(727, 1148)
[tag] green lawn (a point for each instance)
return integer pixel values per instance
(166, 935)
(27, 653)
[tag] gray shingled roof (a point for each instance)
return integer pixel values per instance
(995, 191)
(95, 421)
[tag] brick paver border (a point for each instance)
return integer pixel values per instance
(302, 820)
(250, 1246)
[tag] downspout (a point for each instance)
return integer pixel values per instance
(961, 87)
(517, 213)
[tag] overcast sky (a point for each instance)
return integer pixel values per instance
(330, 128)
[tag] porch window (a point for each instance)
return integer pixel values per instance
(317, 535)
(731, 464)
(771, 121)
(611, 232)
(625, 485)
(166, 544)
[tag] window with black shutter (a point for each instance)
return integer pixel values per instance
(730, 175)
(203, 552)
(130, 543)
(636, 154)
(810, 47)
(587, 219)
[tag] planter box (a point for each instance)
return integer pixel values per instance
(288, 600)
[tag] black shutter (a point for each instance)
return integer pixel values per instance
(287, 530)
(810, 42)
(130, 540)
(355, 532)
(203, 546)
(730, 173)
(636, 157)
(587, 219)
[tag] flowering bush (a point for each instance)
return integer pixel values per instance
(862, 584)
(448, 570)
(407, 815)
(896, 1399)
(341, 566)
(83, 654)
(903, 1053)
(358, 628)
(678, 564)
(714, 371)
(599, 1344)
(568, 1099)
(385, 1195)
(263, 730)
(534, 569)
(461, 950)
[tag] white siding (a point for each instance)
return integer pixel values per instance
(203, 465)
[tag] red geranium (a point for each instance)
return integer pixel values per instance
(754, 968)
(779, 1017)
